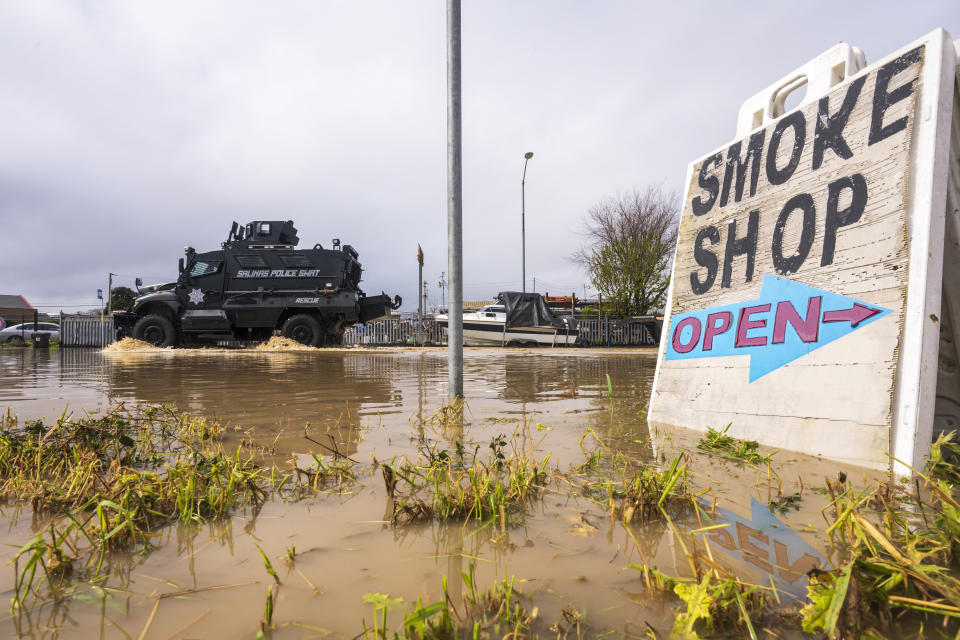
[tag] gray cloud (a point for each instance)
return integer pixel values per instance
(128, 130)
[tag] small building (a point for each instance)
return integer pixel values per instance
(15, 309)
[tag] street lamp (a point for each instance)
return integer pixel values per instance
(523, 217)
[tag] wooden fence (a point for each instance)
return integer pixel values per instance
(85, 331)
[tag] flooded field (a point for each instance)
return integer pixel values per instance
(343, 559)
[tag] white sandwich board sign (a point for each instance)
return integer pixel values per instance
(805, 297)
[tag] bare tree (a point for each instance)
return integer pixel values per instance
(631, 240)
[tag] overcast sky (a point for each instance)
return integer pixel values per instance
(130, 129)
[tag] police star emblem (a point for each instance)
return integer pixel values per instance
(196, 296)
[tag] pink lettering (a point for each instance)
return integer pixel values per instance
(807, 328)
(677, 339)
(713, 329)
(745, 324)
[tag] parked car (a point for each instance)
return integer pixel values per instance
(18, 332)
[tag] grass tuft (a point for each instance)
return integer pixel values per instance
(496, 612)
(444, 489)
(719, 443)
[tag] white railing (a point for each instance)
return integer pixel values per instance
(636, 332)
(85, 331)
(395, 331)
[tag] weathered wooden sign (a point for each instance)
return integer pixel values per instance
(805, 296)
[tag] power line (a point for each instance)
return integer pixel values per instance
(82, 304)
(127, 275)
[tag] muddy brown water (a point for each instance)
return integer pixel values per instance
(370, 403)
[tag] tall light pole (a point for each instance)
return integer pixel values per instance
(523, 216)
(420, 298)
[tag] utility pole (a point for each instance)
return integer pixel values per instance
(110, 296)
(454, 205)
(534, 284)
(443, 289)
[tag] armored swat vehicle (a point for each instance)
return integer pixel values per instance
(256, 284)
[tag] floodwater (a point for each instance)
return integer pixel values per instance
(371, 404)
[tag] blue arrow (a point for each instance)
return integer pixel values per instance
(787, 321)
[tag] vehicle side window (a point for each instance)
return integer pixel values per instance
(47, 326)
(202, 268)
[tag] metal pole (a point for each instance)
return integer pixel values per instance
(454, 205)
(523, 217)
(110, 295)
(599, 317)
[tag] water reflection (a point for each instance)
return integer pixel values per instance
(772, 550)
(281, 392)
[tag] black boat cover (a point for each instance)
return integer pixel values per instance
(527, 310)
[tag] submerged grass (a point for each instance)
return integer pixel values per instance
(645, 494)
(715, 605)
(460, 484)
(496, 612)
(449, 415)
(900, 555)
(632, 491)
(719, 443)
(446, 488)
(110, 482)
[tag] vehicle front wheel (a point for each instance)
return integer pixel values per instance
(156, 330)
(304, 329)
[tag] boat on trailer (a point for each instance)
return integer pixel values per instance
(517, 319)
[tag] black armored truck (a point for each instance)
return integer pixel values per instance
(256, 284)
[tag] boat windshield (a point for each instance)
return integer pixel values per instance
(493, 309)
